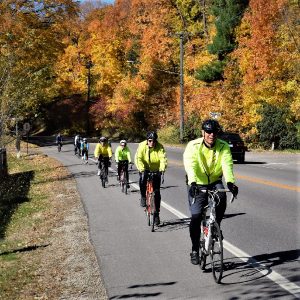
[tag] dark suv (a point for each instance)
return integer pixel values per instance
(236, 145)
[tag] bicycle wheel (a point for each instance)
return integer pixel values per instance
(152, 221)
(202, 252)
(152, 208)
(125, 185)
(102, 177)
(216, 253)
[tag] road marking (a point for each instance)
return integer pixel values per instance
(284, 283)
(267, 182)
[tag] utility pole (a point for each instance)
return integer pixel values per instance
(181, 36)
(88, 65)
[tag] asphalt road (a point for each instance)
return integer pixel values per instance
(261, 232)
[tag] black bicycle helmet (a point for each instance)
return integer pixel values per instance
(211, 126)
(152, 135)
(103, 139)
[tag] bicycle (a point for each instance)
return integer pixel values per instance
(59, 145)
(211, 237)
(123, 177)
(150, 195)
(103, 174)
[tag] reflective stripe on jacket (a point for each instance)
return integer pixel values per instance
(196, 166)
(122, 154)
(152, 159)
(105, 151)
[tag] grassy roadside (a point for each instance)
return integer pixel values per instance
(45, 252)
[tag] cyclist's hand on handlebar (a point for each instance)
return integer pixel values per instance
(193, 189)
(233, 189)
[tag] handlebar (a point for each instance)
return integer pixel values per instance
(215, 191)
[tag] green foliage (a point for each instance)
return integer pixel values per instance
(169, 134)
(277, 127)
(192, 127)
(228, 14)
(211, 72)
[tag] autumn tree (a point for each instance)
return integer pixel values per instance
(30, 41)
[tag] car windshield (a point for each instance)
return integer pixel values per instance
(230, 137)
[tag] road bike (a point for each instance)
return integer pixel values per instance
(211, 240)
(59, 145)
(150, 199)
(103, 174)
(123, 178)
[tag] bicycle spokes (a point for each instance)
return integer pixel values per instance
(216, 253)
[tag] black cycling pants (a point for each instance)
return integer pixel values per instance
(105, 161)
(120, 165)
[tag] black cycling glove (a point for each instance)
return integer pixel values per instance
(233, 188)
(193, 189)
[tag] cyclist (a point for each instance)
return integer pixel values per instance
(206, 160)
(103, 153)
(151, 157)
(77, 143)
(59, 139)
(123, 156)
(84, 147)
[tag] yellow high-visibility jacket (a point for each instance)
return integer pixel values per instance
(205, 166)
(122, 154)
(152, 159)
(104, 150)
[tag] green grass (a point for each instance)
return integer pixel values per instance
(24, 199)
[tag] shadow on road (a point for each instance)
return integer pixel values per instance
(251, 275)
(227, 216)
(172, 225)
(144, 295)
(13, 192)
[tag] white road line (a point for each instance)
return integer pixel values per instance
(284, 283)
(266, 271)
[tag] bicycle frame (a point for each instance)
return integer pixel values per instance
(211, 238)
(123, 178)
(103, 174)
(150, 203)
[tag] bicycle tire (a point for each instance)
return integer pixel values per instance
(152, 209)
(216, 253)
(152, 222)
(125, 185)
(148, 217)
(202, 252)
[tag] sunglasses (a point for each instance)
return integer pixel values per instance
(210, 132)
(150, 141)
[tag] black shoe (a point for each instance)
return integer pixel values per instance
(195, 258)
(143, 202)
(156, 219)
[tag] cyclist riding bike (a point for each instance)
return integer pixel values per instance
(151, 157)
(59, 139)
(103, 153)
(123, 156)
(84, 147)
(206, 160)
(77, 144)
